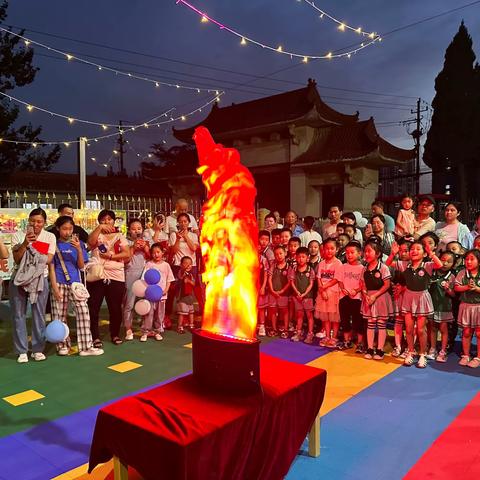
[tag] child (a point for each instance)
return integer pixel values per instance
(340, 229)
(276, 234)
(430, 238)
(155, 316)
(376, 301)
(70, 258)
(441, 290)
(186, 296)
(302, 277)
(417, 303)
(467, 283)
(342, 241)
(308, 233)
(285, 236)
(314, 254)
(351, 231)
(351, 299)
(264, 245)
(329, 273)
(278, 285)
(264, 263)
(405, 224)
(350, 221)
(476, 243)
(292, 247)
(139, 254)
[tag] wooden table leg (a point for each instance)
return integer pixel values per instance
(120, 469)
(314, 438)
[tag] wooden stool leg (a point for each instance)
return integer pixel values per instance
(120, 469)
(314, 438)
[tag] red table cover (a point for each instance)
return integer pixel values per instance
(178, 431)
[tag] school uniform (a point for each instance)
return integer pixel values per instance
(279, 281)
(469, 312)
(374, 280)
(302, 280)
(442, 302)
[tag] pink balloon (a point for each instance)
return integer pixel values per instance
(139, 287)
(142, 307)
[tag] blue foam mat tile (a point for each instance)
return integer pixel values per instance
(297, 352)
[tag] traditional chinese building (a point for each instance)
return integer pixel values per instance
(304, 154)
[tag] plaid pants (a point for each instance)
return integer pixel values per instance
(60, 311)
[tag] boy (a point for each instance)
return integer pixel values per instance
(351, 231)
(292, 247)
(276, 233)
(264, 262)
(264, 245)
(285, 236)
(309, 234)
(302, 278)
(342, 240)
(186, 296)
(340, 229)
(278, 286)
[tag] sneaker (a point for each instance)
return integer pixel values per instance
(442, 356)
(144, 337)
(404, 354)
(422, 361)
(432, 354)
(341, 345)
(158, 337)
(22, 358)
(332, 343)
(360, 348)
(63, 351)
(321, 334)
(48, 317)
(347, 345)
(38, 356)
(297, 337)
(261, 331)
(464, 360)
(409, 359)
(323, 342)
(396, 352)
(90, 352)
(309, 338)
(379, 354)
(474, 362)
(283, 334)
(128, 335)
(291, 328)
(369, 354)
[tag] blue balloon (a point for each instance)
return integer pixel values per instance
(152, 276)
(56, 331)
(154, 293)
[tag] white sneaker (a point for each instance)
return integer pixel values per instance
(422, 361)
(128, 335)
(432, 354)
(92, 351)
(38, 356)
(48, 317)
(158, 337)
(409, 359)
(144, 337)
(22, 358)
(321, 334)
(63, 351)
(261, 331)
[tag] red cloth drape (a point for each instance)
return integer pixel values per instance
(178, 432)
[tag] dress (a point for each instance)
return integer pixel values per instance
(442, 302)
(469, 312)
(325, 273)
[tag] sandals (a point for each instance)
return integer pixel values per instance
(474, 363)
(97, 343)
(117, 341)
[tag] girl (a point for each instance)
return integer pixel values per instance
(468, 284)
(70, 258)
(376, 302)
(476, 243)
(186, 296)
(417, 303)
(405, 224)
(155, 316)
(139, 254)
(441, 290)
(314, 254)
(329, 273)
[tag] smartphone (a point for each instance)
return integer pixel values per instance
(102, 248)
(117, 229)
(160, 218)
(29, 228)
(75, 236)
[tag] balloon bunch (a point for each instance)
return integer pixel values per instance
(56, 331)
(148, 290)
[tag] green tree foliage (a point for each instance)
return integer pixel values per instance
(17, 70)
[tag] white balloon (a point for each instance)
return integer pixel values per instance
(67, 331)
(362, 223)
(142, 307)
(139, 287)
(358, 216)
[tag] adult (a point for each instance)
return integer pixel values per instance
(309, 234)
(33, 251)
(181, 206)
(423, 221)
(183, 243)
(276, 214)
(66, 210)
(270, 222)
(329, 228)
(476, 227)
(376, 228)
(349, 218)
(378, 208)
(109, 249)
(290, 222)
(452, 230)
(3, 262)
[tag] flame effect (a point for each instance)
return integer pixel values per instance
(228, 240)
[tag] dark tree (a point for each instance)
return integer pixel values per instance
(451, 141)
(16, 70)
(170, 163)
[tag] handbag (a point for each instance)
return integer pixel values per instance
(79, 291)
(94, 271)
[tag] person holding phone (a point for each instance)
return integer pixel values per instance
(171, 222)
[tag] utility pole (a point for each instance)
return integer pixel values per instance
(417, 135)
(121, 150)
(82, 171)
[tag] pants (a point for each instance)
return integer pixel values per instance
(18, 304)
(154, 318)
(112, 291)
(350, 312)
(82, 315)
(129, 298)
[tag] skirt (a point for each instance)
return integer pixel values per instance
(469, 315)
(419, 304)
(382, 309)
(397, 305)
(330, 305)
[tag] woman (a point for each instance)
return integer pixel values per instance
(3, 262)
(33, 251)
(452, 230)
(376, 227)
(109, 249)
(476, 227)
(183, 243)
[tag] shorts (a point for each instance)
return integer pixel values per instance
(305, 304)
(184, 308)
(278, 302)
(263, 301)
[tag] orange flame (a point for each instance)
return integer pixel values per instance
(228, 240)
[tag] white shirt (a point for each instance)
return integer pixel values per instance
(329, 230)
(184, 250)
(166, 274)
(307, 236)
(171, 223)
(43, 236)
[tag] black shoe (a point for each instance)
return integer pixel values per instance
(378, 354)
(360, 348)
(347, 345)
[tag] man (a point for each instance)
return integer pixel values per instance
(290, 222)
(329, 228)
(181, 206)
(378, 208)
(423, 221)
(66, 210)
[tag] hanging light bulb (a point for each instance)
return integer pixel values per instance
(243, 41)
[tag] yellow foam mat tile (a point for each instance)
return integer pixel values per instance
(23, 397)
(101, 472)
(188, 345)
(349, 374)
(124, 366)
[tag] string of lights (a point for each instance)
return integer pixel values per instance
(342, 26)
(244, 39)
(70, 57)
